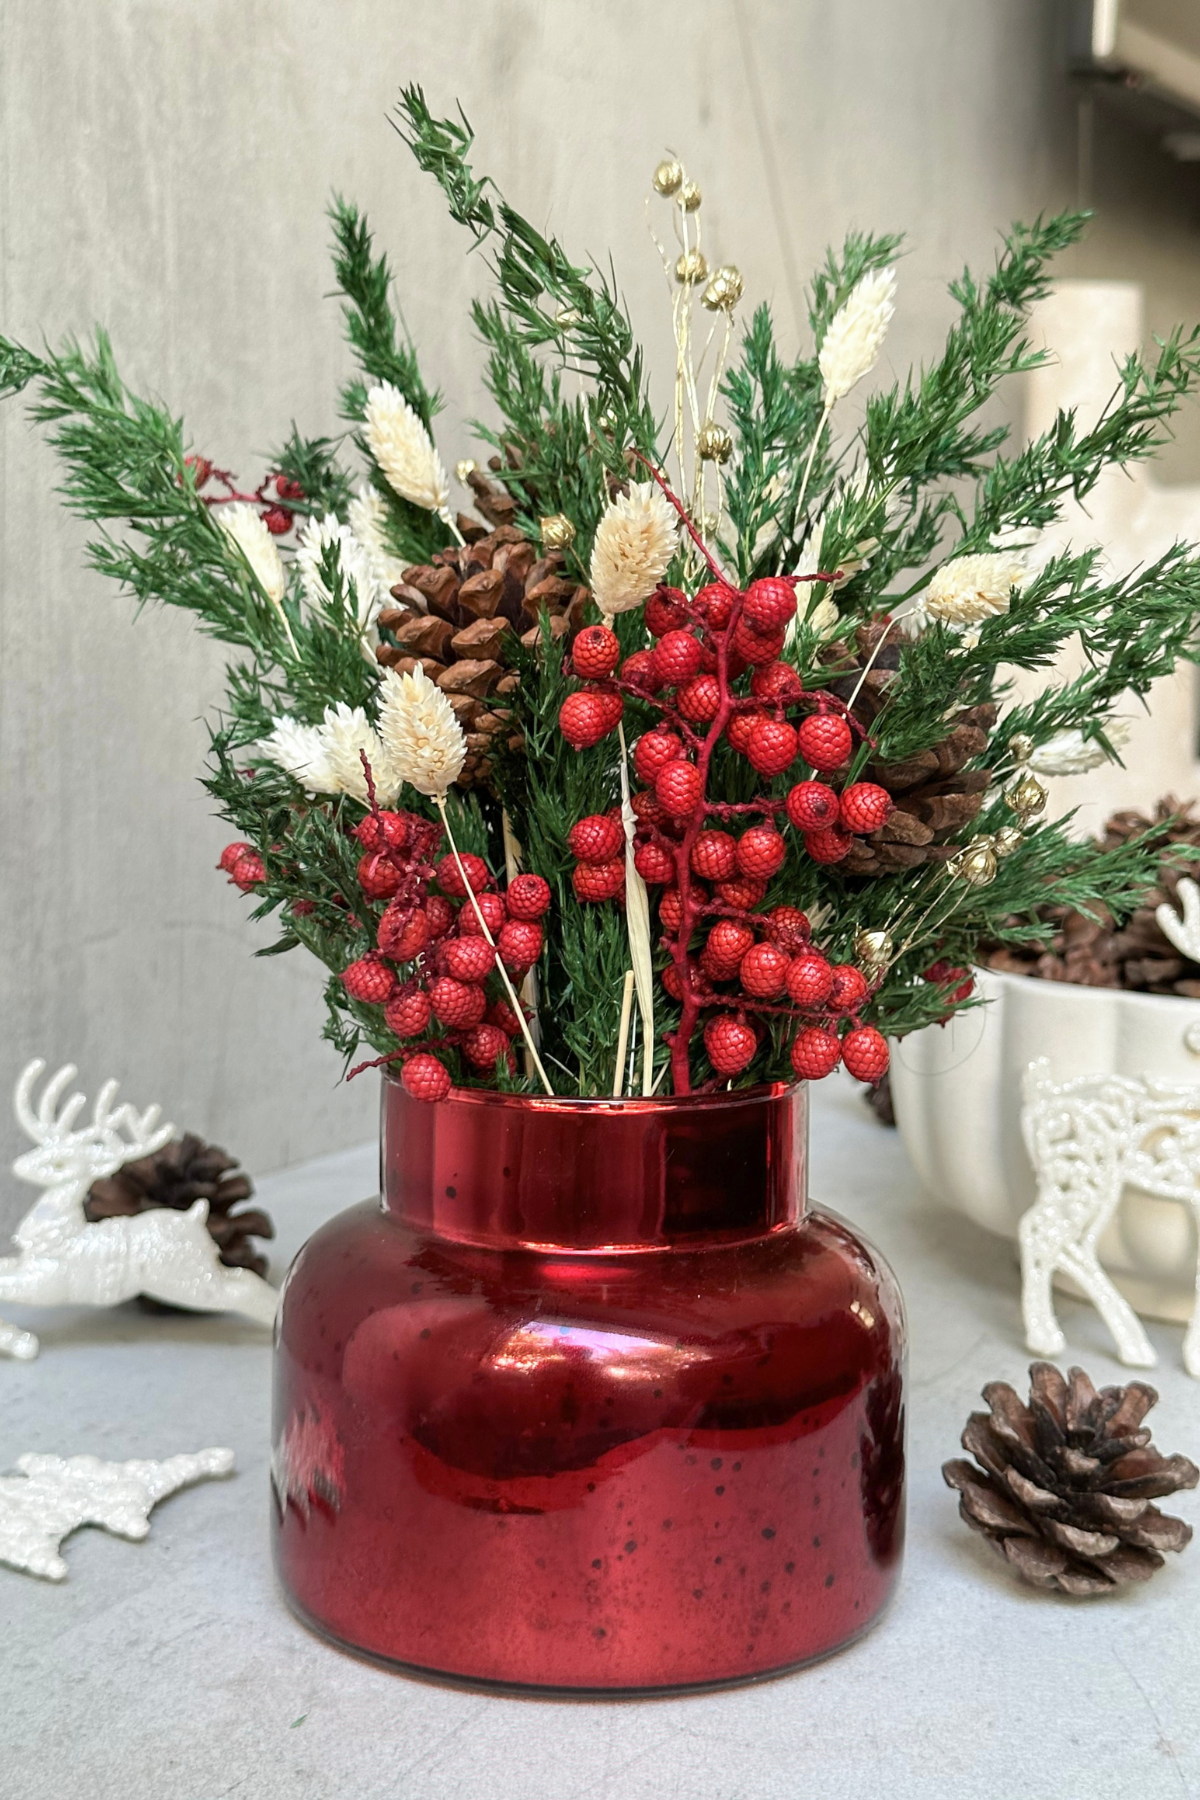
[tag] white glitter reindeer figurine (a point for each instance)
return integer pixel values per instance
(62, 1260)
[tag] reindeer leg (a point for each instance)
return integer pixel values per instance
(1191, 1337)
(1133, 1346)
(1043, 1334)
(15, 1284)
(190, 1272)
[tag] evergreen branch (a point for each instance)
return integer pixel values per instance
(372, 328)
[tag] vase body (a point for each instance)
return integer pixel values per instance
(589, 1400)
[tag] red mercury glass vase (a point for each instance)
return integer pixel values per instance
(590, 1401)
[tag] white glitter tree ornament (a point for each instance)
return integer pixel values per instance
(632, 549)
(405, 451)
(53, 1495)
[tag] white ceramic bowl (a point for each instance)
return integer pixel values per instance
(957, 1094)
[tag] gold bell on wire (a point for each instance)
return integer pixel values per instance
(557, 531)
(691, 268)
(713, 443)
(724, 290)
(1026, 797)
(873, 950)
(668, 177)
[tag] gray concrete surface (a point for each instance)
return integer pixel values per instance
(170, 1670)
(163, 169)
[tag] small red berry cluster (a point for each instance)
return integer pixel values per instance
(277, 518)
(243, 865)
(715, 880)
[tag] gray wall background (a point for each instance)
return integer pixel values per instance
(164, 166)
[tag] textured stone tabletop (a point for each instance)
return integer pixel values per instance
(171, 1670)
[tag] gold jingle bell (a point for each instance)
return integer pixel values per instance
(567, 316)
(1026, 797)
(464, 469)
(1020, 747)
(713, 444)
(1007, 839)
(557, 531)
(668, 177)
(691, 268)
(873, 950)
(724, 290)
(976, 864)
(689, 196)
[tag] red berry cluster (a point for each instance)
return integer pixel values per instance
(713, 862)
(243, 865)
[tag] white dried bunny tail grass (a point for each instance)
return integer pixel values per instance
(632, 549)
(405, 451)
(850, 348)
(421, 737)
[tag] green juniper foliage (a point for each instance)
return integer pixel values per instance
(926, 477)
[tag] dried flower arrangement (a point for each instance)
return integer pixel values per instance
(730, 689)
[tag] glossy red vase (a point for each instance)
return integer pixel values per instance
(590, 1401)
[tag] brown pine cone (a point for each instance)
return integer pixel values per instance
(459, 616)
(1067, 1482)
(178, 1175)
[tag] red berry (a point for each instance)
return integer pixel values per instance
(828, 846)
(788, 927)
(677, 658)
(492, 908)
(741, 728)
(231, 855)
(769, 605)
(596, 839)
(755, 647)
(764, 971)
(865, 1053)
(382, 830)
(772, 746)
(655, 864)
(778, 683)
(288, 489)
(501, 1013)
(714, 604)
(648, 809)
(483, 1044)
(595, 652)
(865, 806)
(450, 880)
(440, 915)
(425, 1078)
(715, 855)
(594, 882)
(680, 787)
(527, 897)
(586, 717)
(653, 750)
(520, 944)
(743, 893)
(815, 1053)
(812, 806)
(849, 988)
(458, 1004)
(730, 1043)
(809, 979)
(408, 1014)
(641, 671)
(403, 932)
(670, 911)
(378, 876)
(302, 908)
(370, 980)
(248, 871)
(277, 520)
(727, 944)
(825, 741)
(700, 701)
(470, 958)
(760, 852)
(943, 971)
(665, 610)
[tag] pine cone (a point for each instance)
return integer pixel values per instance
(1067, 1482)
(460, 615)
(181, 1173)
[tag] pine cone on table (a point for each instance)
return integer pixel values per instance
(1066, 1483)
(460, 615)
(178, 1175)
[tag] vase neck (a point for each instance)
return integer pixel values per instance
(515, 1171)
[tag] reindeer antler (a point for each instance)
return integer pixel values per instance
(42, 1126)
(47, 1125)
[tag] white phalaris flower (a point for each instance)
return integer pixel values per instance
(632, 549)
(422, 739)
(850, 348)
(368, 519)
(244, 525)
(973, 588)
(405, 451)
(345, 735)
(1070, 753)
(354, 560)
(300, 750)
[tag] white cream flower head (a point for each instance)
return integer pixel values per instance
(353, 559)
(421, 737)
(969, 589)
(367, 514)
(300, 751)
(346, 734)
(1070, 753)
(405, 451)
(850, 348)
(244, 525)
(632, 549)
